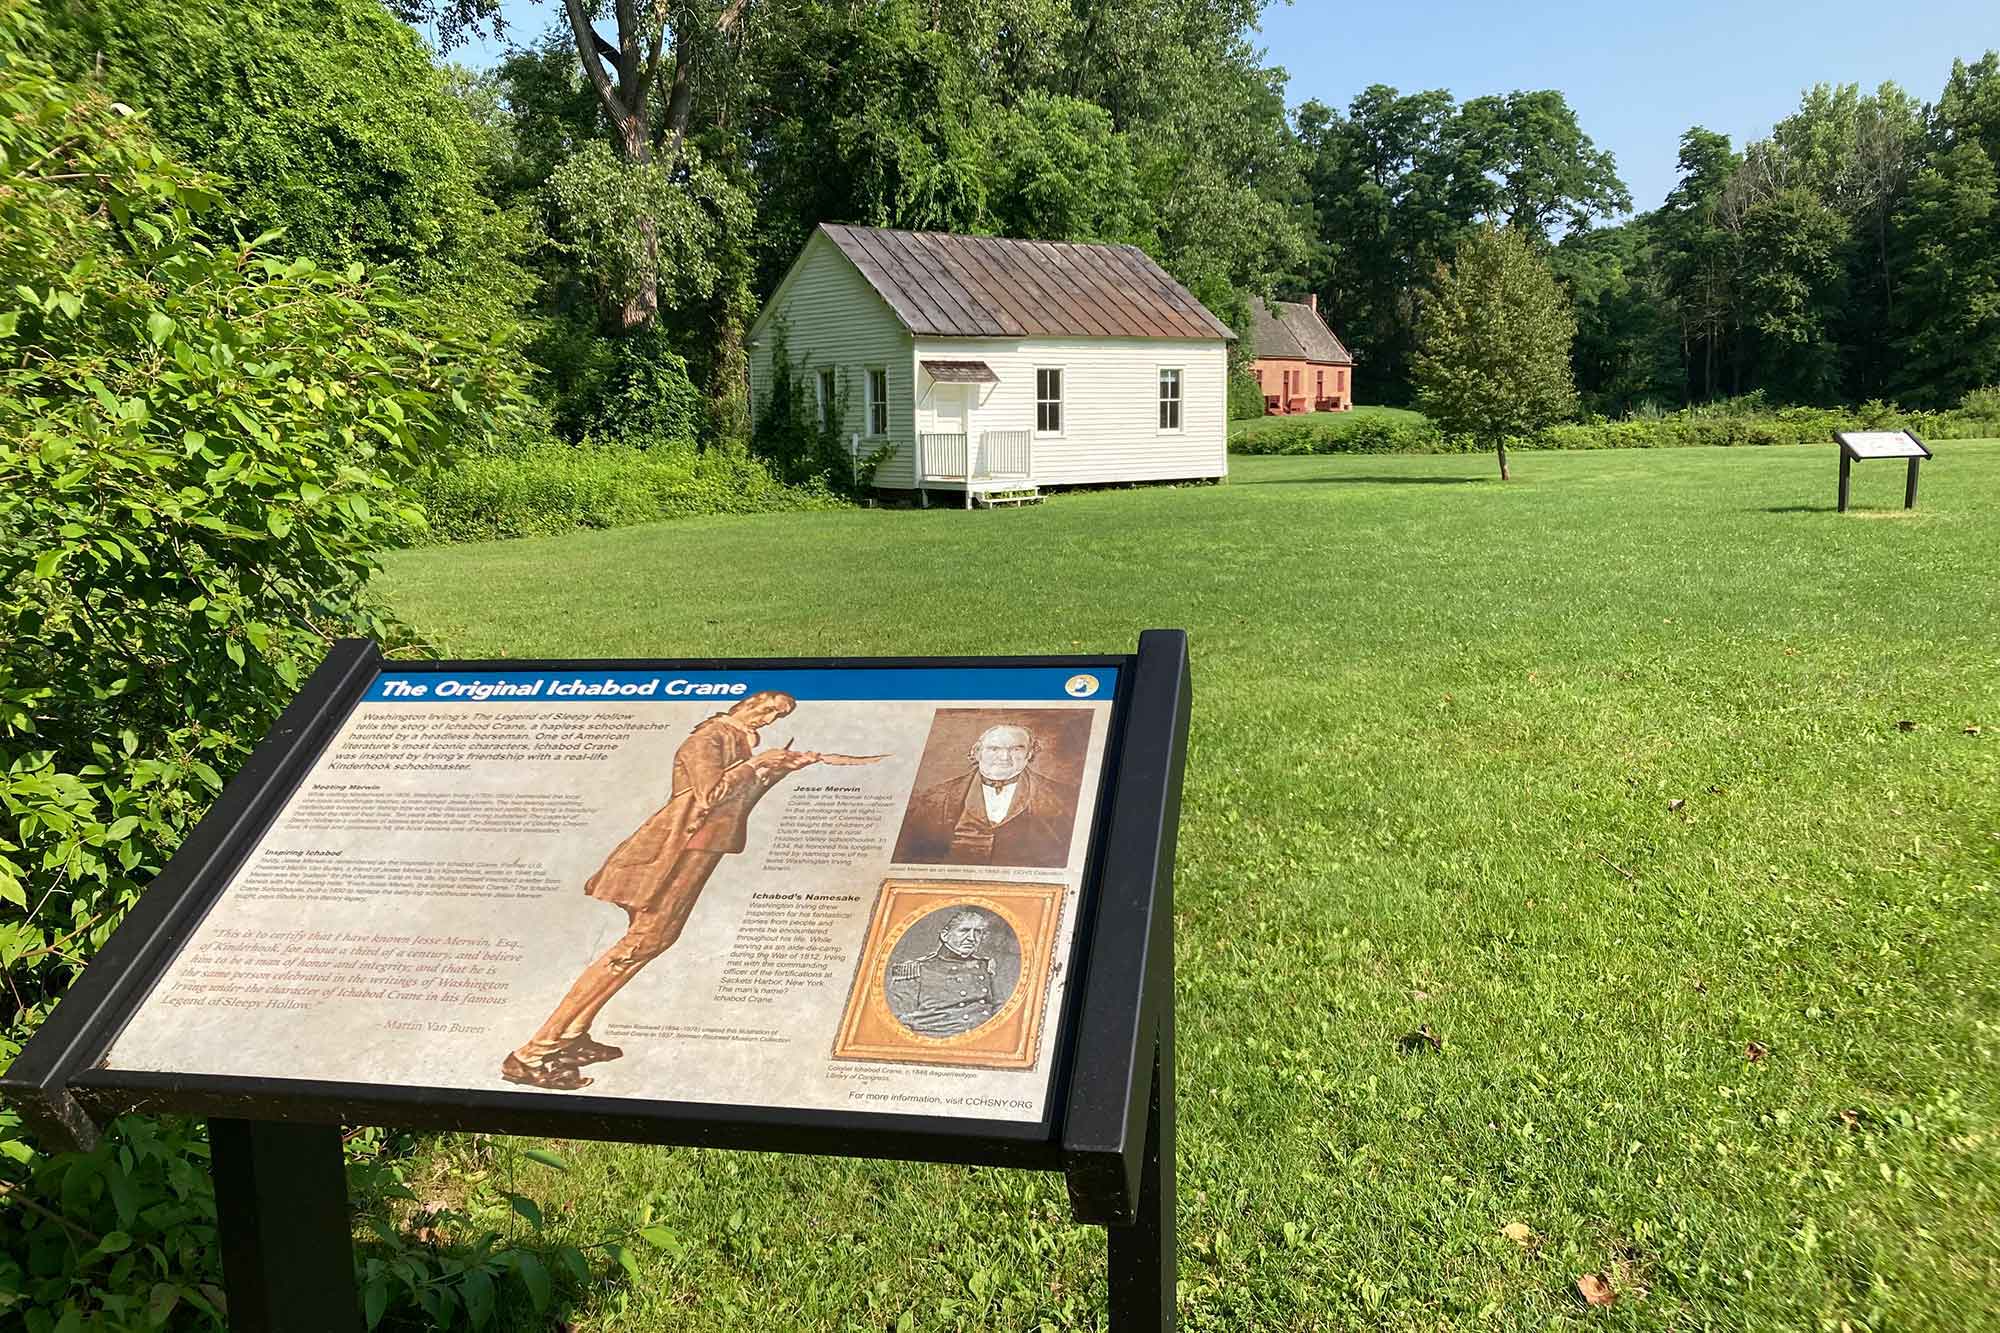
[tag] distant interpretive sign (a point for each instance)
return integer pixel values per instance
(1863, 444)
(1881, 444)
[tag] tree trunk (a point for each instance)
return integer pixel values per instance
(1500, 447)
(642, 304)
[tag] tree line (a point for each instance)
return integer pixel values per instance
(617, 194)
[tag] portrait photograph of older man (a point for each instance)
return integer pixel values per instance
(996, 787)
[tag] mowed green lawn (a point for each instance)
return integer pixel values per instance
(1667, 798)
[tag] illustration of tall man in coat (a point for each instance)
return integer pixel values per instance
(658, 874)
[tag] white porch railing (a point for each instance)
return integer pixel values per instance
(944, 458)
(999, 453)
(1006, 453)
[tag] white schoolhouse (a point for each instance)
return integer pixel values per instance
(996, 367)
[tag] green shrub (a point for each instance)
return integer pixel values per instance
(547, 488)
(1977, 417)
(1732, 423)
(1246, 396)
(1352, 435)
(647, 400)
(798, 444)
(127, 1234)
(202, 446)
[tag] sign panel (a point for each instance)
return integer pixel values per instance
(1880, 444)
(848, 889)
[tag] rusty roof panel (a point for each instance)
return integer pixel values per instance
(944, 285)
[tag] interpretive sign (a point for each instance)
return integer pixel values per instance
(662, 885)
(1860, 444)
(902, 908)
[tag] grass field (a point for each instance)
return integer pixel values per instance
(1614, 777)
(1252, 426)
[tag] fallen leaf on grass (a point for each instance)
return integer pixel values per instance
(1676, 805)
(1975, 730)
(1422, 1039)
(1906, 725)
(1850, 1119)
(1420, 995)
(1595, 1290)
(1753, 1051)
(1519, 1232)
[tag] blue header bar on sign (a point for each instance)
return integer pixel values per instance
(583, 685)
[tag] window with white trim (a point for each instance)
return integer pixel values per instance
(823, 391)
(878, 401)
(1170, 399)
(1049, 401)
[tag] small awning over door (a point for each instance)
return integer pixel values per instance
(960, 372)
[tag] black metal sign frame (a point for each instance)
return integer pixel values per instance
(1108, 1125)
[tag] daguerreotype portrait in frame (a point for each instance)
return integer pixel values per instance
(953, 973)
(996, 786)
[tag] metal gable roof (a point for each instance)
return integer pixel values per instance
(943, 285)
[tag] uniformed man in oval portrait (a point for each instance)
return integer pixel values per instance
(1000, 811)
(962, 982)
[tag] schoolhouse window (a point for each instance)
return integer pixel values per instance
(1048, 401)
(878, 401)
(1170, 400)
(823, 391)
(1319, 384)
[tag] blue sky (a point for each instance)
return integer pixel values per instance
(1637, 74)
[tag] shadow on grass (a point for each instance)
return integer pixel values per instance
(1796, 509)
(1366, 481)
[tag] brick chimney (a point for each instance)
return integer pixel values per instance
(1312, 302)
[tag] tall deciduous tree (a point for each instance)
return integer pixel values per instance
(647, 77)
(1495, 356)
(1399, 179)
(1946, 237)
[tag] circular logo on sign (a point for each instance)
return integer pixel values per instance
(1081, 687)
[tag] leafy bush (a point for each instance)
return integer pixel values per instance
(127, 1234)
(539, 490)
(1246, 396)
(330, 119)
(791, 436)
(647, 400)
(201, 448)
(1731, 423)
(1977, 417)
(1352, 435)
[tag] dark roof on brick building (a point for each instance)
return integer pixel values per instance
(1293, 330)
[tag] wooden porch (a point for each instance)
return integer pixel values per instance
(992, 467)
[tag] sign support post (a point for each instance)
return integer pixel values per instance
(1144, 1255)
(281, 1209)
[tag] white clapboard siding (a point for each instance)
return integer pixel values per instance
(834, 318)
(1111, 422)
